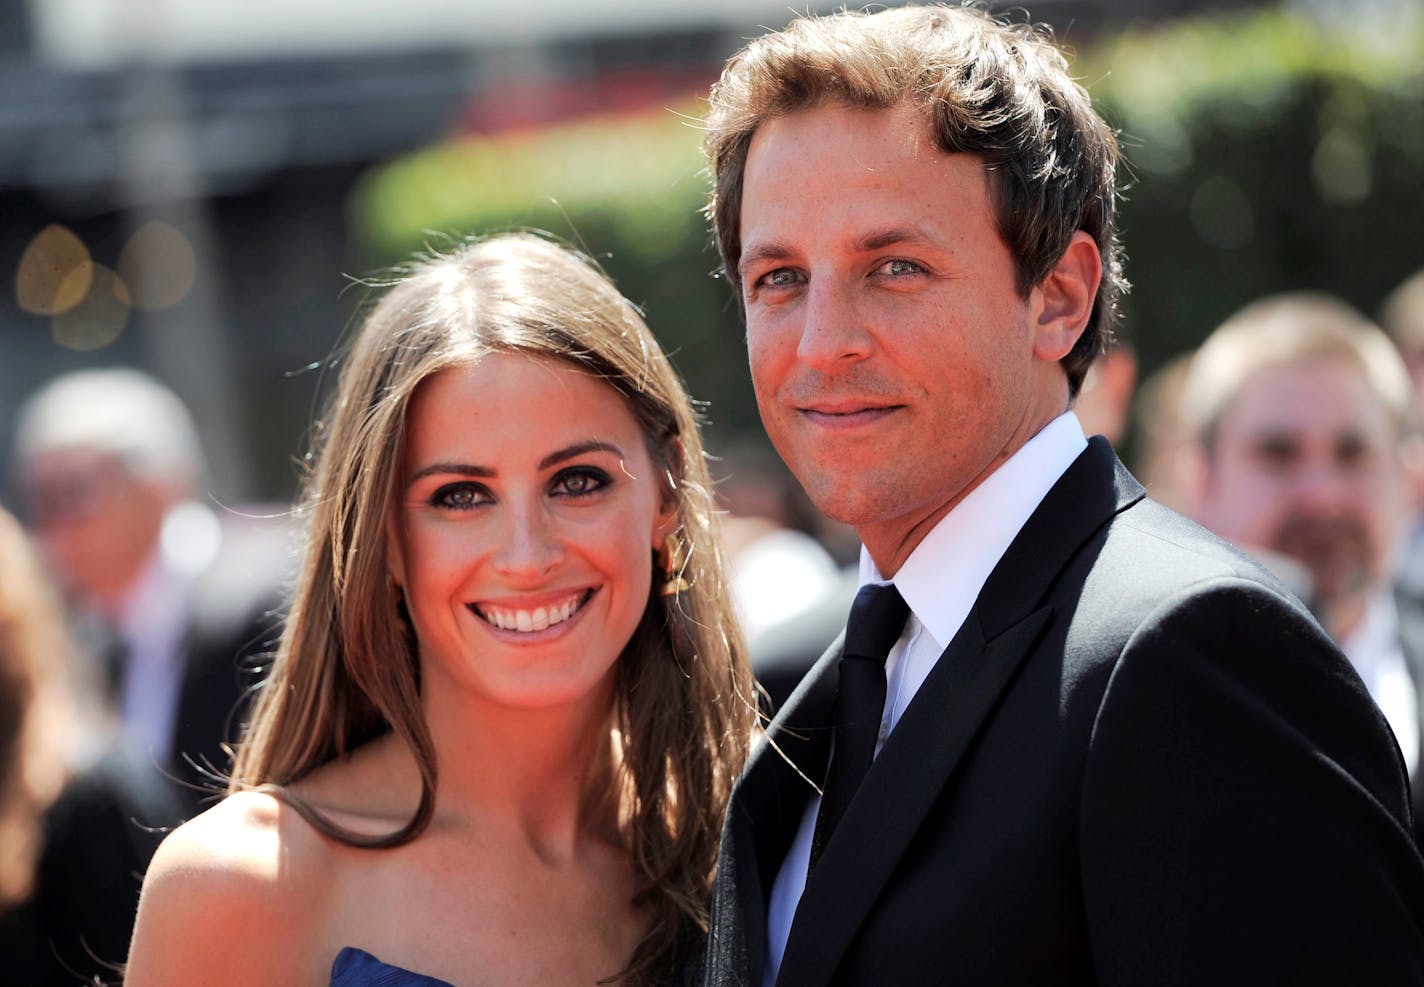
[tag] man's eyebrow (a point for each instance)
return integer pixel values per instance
(770, 250)
(879, 239)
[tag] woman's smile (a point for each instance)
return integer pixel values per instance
(528, 618)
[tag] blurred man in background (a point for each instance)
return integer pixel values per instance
(1104, 403)
(169, 599)
(1299, 406)
(791, 592)
(1402, 318)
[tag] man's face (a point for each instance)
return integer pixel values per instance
(892, 356)
(96, 522)
(1305, 463)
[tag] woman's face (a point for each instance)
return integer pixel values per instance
(527, 511)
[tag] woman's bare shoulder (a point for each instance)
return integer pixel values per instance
(237, 888)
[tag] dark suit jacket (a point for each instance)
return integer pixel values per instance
(1140, 761)
(98, 838)
(1411, 639)
(234, 619)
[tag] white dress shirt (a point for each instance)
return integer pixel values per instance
(153, 627)
(940, 581)
(1375, 651)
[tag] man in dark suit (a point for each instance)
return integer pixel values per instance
(1299, 408)
(172, 599)
(1105, 748)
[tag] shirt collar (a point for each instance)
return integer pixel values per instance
(944, 574)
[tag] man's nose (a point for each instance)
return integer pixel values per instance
(833, 331)
(1320, 486)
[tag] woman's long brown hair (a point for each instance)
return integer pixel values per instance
(346, 669)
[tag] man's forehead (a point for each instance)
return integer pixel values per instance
(1307, 402)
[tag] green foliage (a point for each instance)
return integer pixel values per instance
(1266, 152)
(639, 175)
(628, 190)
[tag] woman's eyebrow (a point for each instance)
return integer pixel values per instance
(578, 449)
(553, 458)
(459, 469)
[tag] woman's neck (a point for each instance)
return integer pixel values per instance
(530, 772)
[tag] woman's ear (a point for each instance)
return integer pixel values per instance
(1064, 299)
(667, 521)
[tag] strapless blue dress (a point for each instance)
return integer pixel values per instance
(358, 968)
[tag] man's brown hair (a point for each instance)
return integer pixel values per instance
(996, 90)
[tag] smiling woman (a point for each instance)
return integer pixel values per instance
(523, 542)
(491, 747)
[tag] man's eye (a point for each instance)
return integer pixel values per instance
(782, 277)
(1277, 454)
(900, 267)
(459, 496)
(580, 482)
(1353, 451)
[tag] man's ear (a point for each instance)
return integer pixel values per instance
(1064, 299)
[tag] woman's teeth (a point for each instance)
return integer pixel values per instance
(538, 619)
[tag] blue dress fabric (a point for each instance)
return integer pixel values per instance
(358, 968)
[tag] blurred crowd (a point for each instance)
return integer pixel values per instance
(135, 612)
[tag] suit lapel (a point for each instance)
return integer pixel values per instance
(1411, 643)
(907, 777)
(938, 728)
(762, 819)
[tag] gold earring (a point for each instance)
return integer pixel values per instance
(672, 558)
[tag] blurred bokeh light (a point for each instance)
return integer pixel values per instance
(55, 272)
(99, 318)
(158, 266)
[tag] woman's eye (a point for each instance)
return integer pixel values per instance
(579, 482)
(459, 496)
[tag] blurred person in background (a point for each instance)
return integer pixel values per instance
(791, 594)
(1299, 407)
(1402, 318)
(1104, 404)
(168, 598)
(75, 836)
(511, 697)
(1163, 449)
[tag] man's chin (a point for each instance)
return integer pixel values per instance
(848, 499)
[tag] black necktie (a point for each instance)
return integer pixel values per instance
(876, 619)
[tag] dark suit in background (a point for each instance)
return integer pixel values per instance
(1411, 639)
(233, 619)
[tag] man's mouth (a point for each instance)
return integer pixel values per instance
(539, 618)
(847, 414)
